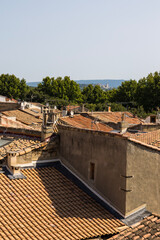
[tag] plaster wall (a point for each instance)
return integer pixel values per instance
(143, 167)
(108, 152)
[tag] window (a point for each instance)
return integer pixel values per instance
(92, 171)
(153, 119)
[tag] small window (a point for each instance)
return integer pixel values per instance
(153, 119)
(92, 171)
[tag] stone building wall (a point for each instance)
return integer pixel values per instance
(143, 168)
(126, 172)
(80, 148)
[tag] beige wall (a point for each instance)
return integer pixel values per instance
(143, 164)
(108, 152)
(126, 174)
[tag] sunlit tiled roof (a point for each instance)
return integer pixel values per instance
(46, 205)
(80, 121)
(116, 117)
(34, 112)
(23, 117)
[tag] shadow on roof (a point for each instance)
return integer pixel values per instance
(67, 199)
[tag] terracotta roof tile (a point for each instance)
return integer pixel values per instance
(34, 112)
(149, 228)
(21, 145)
(46, 205)
(80, 121)
(116, 117)
(150, 138)
(22, 117)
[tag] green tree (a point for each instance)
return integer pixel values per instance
(94, 94)
(12, 87)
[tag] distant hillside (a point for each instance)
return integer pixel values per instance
(112, 83)
(33, 84)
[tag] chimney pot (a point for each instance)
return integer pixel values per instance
(109, 109)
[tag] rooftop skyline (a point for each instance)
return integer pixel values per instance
(82, 39)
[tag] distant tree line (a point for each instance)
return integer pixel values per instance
(139, 97)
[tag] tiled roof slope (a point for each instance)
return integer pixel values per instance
(34, 112)
(7, 122)
(22, 117)
(148, 228)
(46, 205)
(21, 145)
(116, 117)
(80, 121)
(150, 138)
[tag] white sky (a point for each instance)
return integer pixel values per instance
(83, 39)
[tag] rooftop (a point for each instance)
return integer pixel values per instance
(116, 117)
(47, 205)
(148, 228)
(19, 144)
(34, 112)
(23, 117)
(80, 121)
(150, 138)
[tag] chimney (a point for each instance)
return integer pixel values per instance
(123, 124)
(64, 112)
(22, 105)
(12, 163)
(47, 128)
(82, 107)
(123, 117)
(109, 109)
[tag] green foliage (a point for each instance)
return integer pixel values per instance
(139, 111)
(117, 107)
(13, 87)
(144, 94)
(60, 88)
(126, 92)
(139, 97)
(148, 92)
(94, 94)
